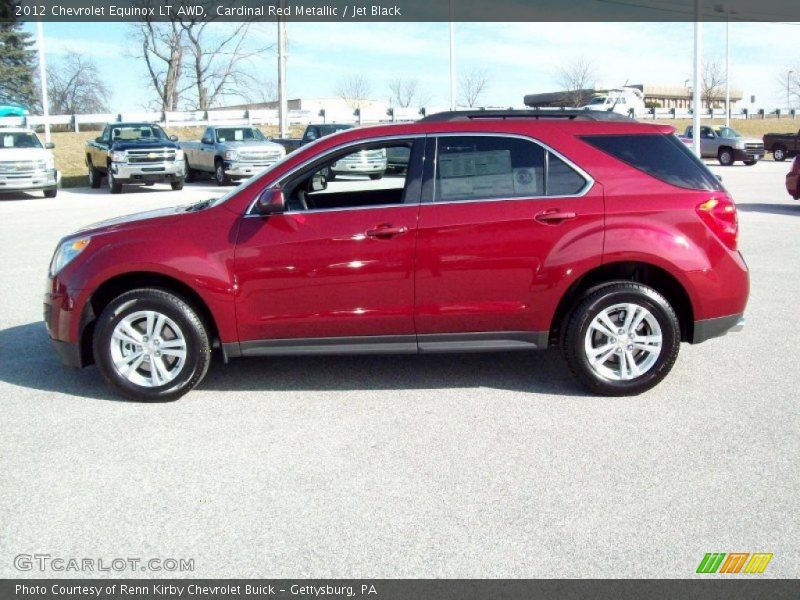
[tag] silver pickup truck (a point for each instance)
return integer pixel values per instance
(727, 145)
(230, 152)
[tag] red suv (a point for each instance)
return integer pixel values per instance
(507, 231)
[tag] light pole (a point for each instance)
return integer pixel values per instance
(788, 92)
(698, 52)
(452, 59)
(43, 81)
(723, 8)
(282, 105)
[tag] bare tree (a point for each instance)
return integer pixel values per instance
(353, 90)
(406, 92)
(162, 50)
(218, 57)
(74, 85)
(577, 80)
(471, 85)
(712, 83)
(789, 85)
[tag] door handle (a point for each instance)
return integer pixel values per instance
(554, 216)
(386, 231)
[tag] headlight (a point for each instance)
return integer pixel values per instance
(231, 155)
(66, 252)
(117, 156)
(178, 154)
(739, 145)
(49, 163)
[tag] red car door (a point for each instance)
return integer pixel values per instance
(337, 265)
(495, 247)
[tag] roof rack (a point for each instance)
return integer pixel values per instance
(579, 114)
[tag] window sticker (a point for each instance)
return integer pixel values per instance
(238, 135)
(484, 175)
(8, 141)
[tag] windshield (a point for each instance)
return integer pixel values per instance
(598, 100)
(20, 139)
(727, 132)
(137, 132)
(329, 129)
(239, 134)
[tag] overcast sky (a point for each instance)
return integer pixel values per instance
(520, 58)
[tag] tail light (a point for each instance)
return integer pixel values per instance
(719, 215)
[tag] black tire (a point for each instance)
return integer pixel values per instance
(779, 153)
(113, 186)
(198, 347)
(750, 163)
(602, 297)
(51, 193)
(95, 176)
(177, 185)
(376, 176)
(725, 157)
(190, 174)
(219, 174)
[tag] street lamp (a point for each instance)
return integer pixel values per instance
(723, 8)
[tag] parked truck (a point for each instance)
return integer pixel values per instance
(782, 145)
(134, 154)
(230, 153)
(727, 145)
(313, 132)
(26, 164)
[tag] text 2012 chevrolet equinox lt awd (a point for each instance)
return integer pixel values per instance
(507, 231)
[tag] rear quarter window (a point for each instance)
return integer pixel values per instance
(662, 156)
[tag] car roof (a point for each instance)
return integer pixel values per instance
(16, 130)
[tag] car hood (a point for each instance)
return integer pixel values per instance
(146, 218)
(15, 154)
(251, 146)
(136, 145)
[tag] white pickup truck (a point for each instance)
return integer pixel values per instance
(230, 152)
(26, 164)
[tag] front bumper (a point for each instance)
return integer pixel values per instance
(148, 172)
(711, 328)
(748, 154)
(38, 180)
(243, 169)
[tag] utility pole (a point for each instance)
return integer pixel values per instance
(698, 60)
(43, 81)
(452, 59)
(283, 116)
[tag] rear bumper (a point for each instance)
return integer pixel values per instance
(711, 328)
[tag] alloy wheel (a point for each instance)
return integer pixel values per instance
(623, 342)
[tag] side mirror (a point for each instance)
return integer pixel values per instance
(49, 145)
(206, 141)
(173, 138)
(318, 182)
(271, 202)
(98, 139)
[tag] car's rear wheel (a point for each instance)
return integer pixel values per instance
(621, 339)
(779, 153)
(151, 345)
(725, 157)
(95, 176)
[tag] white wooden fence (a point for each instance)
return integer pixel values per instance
(303, 117)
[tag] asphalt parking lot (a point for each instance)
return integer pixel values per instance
(482, 465)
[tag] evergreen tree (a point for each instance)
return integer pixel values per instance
(17, 61)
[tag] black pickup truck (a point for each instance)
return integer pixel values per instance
(314, 131)
(134, 153)
(782, 145)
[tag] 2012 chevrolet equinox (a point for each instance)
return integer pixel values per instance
(507, 231)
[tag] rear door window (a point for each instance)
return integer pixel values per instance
(662, 156)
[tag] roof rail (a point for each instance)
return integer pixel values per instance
(578, 114)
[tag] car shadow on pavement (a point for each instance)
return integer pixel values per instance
(770, 208)
(27, 360)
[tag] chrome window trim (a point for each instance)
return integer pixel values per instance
(547, 148)
(249, 212)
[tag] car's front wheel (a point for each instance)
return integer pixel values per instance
(725, 157)
(151, 345)
(621, 339)
(113, 185)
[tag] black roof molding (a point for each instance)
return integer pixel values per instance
(579, 114)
